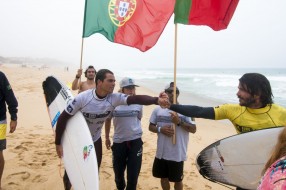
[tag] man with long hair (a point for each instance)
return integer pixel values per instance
(256, 109)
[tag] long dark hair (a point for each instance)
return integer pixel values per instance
(257, 84)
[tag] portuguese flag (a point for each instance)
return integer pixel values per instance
(135, 23)
(213, 13)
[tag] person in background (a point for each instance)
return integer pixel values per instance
(6, 97)
(274, 172)
(89, 73)
(96, 106)
(255, 110)
(169, 161)
(127, 146)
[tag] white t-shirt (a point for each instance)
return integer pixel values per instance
(95, 110)
(165, 147)
(127, 122)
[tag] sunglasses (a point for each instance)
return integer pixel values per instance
(91, 71)
(171, 91)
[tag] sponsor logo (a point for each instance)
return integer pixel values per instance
(139, 152)
(55, 119)
(73, 102)
(95, 116)
(69, 109)
(120, 11)
(86, 152)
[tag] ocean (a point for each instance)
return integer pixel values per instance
(217, 85)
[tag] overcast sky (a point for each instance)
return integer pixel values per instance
(255, 37)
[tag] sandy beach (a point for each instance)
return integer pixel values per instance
(31, 160)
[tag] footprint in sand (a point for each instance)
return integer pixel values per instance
(23, 175)
(106, 174)
(208, 187)
(39, 179)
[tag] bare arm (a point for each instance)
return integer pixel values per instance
(107, 131)
(191, 128)
(75, 83)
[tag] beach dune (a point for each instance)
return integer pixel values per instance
(31, 160)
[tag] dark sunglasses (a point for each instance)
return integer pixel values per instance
(171, 91)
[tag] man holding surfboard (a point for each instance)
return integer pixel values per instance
(89, 73)
(6, 97)
(97, 105)
(255, 110)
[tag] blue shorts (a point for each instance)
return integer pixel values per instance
(168, 169)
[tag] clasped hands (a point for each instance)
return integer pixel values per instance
(163, 100)
(168, 130)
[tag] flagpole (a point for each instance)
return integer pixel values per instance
(175, 79)
(81, 54)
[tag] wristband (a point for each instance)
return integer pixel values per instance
(77, 77)
(159, 129)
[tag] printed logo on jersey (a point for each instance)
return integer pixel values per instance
(73, 102)
(96, 116)
(243, 129)
(86, 152)
(69, 109)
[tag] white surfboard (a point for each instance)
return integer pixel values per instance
(238, 160)
(78, 150)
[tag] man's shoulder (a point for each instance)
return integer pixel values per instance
(276, 106)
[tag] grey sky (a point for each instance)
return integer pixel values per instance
(53, 28)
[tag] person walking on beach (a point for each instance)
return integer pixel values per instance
(169, 161)
(127, 146)
(255, 110)
(89, 73)
(96, 105)
(274, 175)
(6, 97)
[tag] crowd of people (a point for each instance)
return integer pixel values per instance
(256, 110)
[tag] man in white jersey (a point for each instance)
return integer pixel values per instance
(96, 105)
(169, 161)
(127, 142)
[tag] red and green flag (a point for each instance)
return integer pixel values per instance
(213, 13)
(135, 23)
